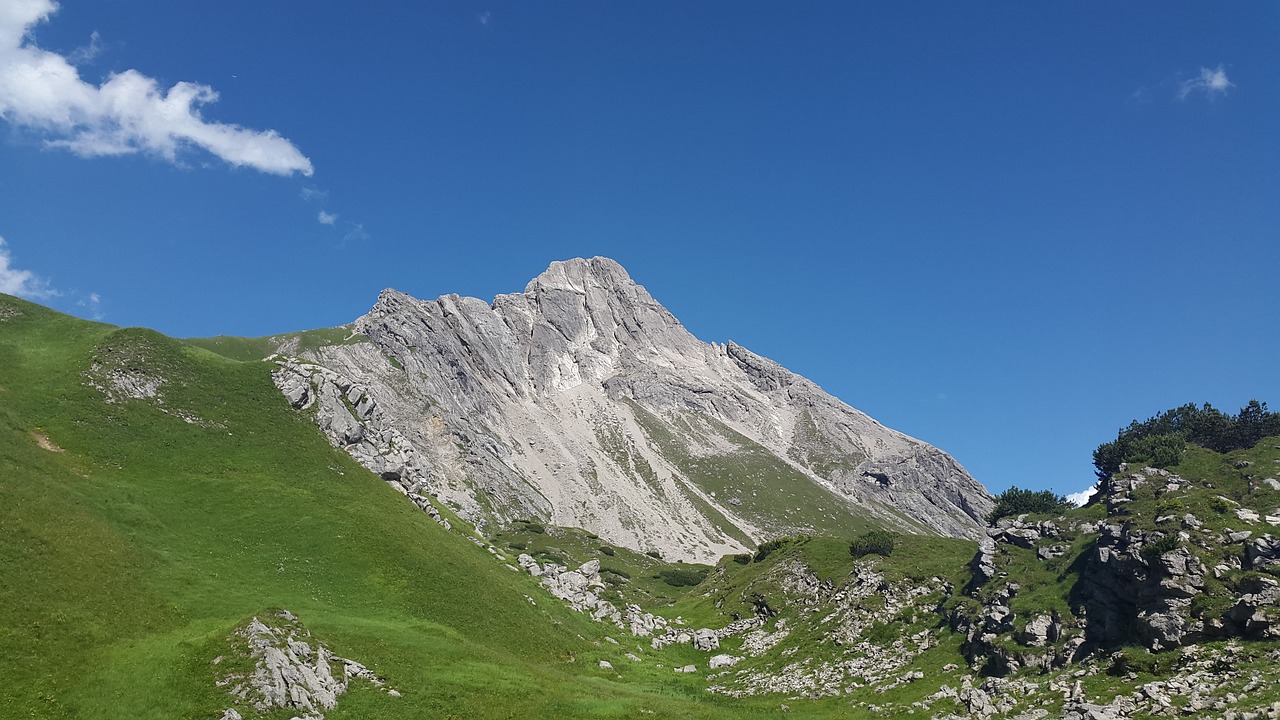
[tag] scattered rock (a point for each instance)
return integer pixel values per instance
(722, 661)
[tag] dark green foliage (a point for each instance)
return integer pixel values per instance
(605, 549)
(615, 571)
(768, 547)
(682, 576)
(1164, 450)
(1016, 501)
(655, 554)
(1140, 660)
(742, 558)
(1155, 442)
(518, 545)
(1160, 546)
(872, 542)
(535, 528)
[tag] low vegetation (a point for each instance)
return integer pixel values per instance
(1016, 501)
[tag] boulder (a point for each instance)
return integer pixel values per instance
(706, 640)
(722, 661)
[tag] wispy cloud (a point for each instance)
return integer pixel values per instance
(86, 53)
(129, 113)
(1211, 82)
(23, 283)
(92, 303)
(355, 234)
(310, 193)
(327, 218)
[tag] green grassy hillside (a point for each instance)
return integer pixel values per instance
(137, 533)
(155, 495)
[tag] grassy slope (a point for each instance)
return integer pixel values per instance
(131, 550)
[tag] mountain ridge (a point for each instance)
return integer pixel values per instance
(583, 401)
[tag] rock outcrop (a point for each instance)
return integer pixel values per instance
(289, 673)
(582, 401)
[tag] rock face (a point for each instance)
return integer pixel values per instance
(288, 672)
(582, 401)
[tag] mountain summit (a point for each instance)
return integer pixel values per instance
(583, 402)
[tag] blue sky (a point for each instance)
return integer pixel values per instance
(1004, 228)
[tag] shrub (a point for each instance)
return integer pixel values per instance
(554, 557)
(1161, 545)
(1016, 501)
(655, 554)
(534, 527)
(605, 549)
(1220, 505)
(1160, 451)
(1159, 440)
(742, 558)
(768, 547)
(1140, 660)
(518, 545)
(872, 542)
(682, 576)
(615, 571)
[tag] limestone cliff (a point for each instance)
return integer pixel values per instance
(582, 401)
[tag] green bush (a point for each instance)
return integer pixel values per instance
(1161, 545)
(768, 547)
(534, 527)
(742, 558)
(1016, 501)
(615, 571)
(518, 545)
(872, 542)
(655, 554)
(605, 549)
(1140, 660)
(1159, 440)
(682, 576)
(1160, 451)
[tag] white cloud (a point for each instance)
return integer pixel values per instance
(23, 283)
(327, 218)
(355, 234)
(86, 53)
(310, 193)
(1212, 82)
(128, 113)
(1078, 499)
(93, 304)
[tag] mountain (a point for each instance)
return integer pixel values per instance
(583, 402)
(176, 541)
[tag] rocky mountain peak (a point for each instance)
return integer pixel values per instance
(579, 273)
(583, 401)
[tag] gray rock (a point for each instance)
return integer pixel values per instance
(723, 661)
(706, 640)
(288, 672)
(606, 665)
(498, 407)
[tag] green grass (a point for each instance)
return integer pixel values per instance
(760, 487)
(246, 349)
(130, 551)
